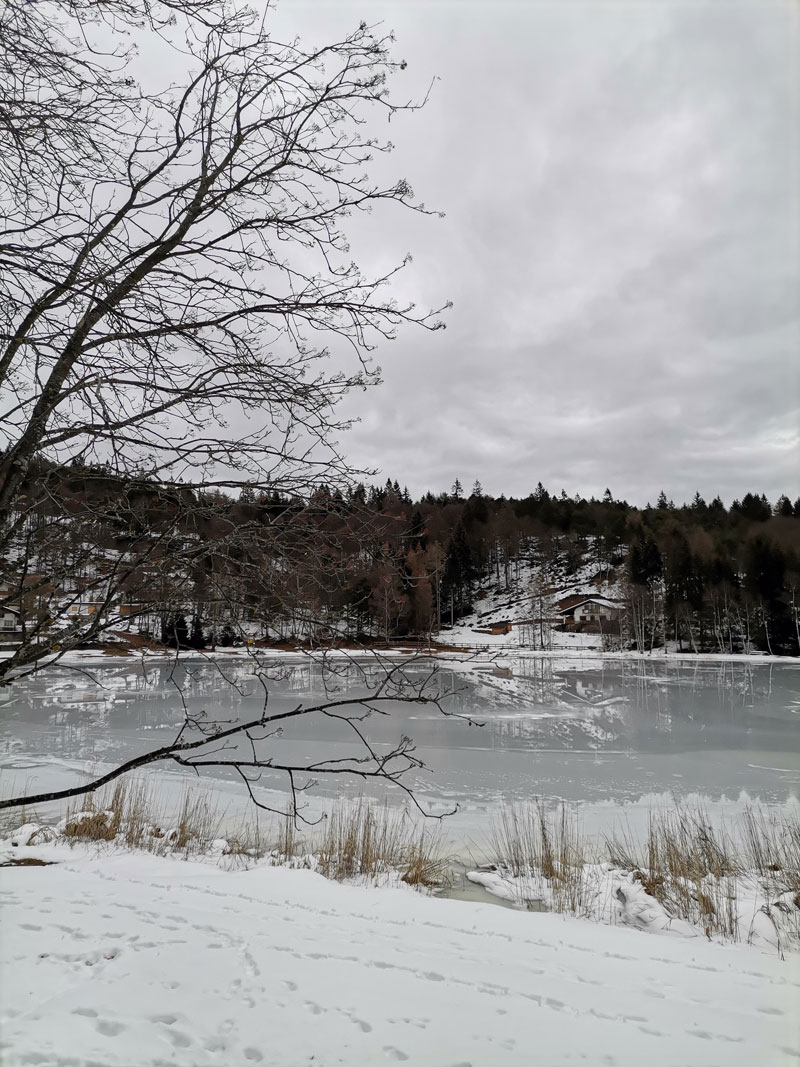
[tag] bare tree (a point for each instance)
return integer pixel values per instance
(175, 269)
(174, 274)
(203, 743)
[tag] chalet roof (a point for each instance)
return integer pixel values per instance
(569, 603)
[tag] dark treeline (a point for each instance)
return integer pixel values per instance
(707, 576)
(371, 562)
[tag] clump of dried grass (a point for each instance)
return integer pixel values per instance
(425, 867)
(691, 869)
(363, 840)
(697, 872)
(358, 840)
(546, 852)
(132, 814)
(771, 844)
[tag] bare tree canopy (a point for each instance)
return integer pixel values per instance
(203, 742)
(174, 271)
(172, 258)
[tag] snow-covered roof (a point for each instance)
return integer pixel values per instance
(571, 602)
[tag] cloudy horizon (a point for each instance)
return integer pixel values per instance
(620, 246)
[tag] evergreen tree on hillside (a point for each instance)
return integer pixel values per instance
(196, 637)
(417, 535)
(753, 507)
(765, 566)
(645, 559)
(459, 573)
(784, 507)
(174, 631)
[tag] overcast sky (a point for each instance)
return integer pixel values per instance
(621, 187)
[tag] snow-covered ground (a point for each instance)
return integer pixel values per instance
(131, 959)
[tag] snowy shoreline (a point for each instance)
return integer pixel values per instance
(131, 959)
(480, 654)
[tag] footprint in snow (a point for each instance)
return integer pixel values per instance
(108, 1028)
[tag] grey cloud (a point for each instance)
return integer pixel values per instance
(621, 244)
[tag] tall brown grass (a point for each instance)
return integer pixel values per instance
(372, 841)
(698, 872)
(536, 846)
(131, 814)
(357, 839)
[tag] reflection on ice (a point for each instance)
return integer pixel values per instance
(597, 733)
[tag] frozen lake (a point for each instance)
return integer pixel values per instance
(611, 737)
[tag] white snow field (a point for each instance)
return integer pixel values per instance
(130, 959)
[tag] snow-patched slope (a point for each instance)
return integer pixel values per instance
(132, 960)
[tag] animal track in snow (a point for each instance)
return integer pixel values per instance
(108, 1028)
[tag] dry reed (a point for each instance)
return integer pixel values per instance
(697, 872)
(358, 839)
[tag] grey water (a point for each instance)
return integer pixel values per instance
(602, 735)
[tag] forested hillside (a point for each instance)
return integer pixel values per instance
(370, 563)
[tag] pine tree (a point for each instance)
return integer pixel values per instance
(417, 534)
(784, 507)
(644, 560)
(196, 637)
(174, 631)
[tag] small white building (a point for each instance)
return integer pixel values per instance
(576, 609)
(10, 622)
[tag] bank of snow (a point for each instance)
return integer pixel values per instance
(132, 959)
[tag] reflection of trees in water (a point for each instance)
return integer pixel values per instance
(635, 705)
(708, 692)
(540, 703)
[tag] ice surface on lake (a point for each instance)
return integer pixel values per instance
(612, 737)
